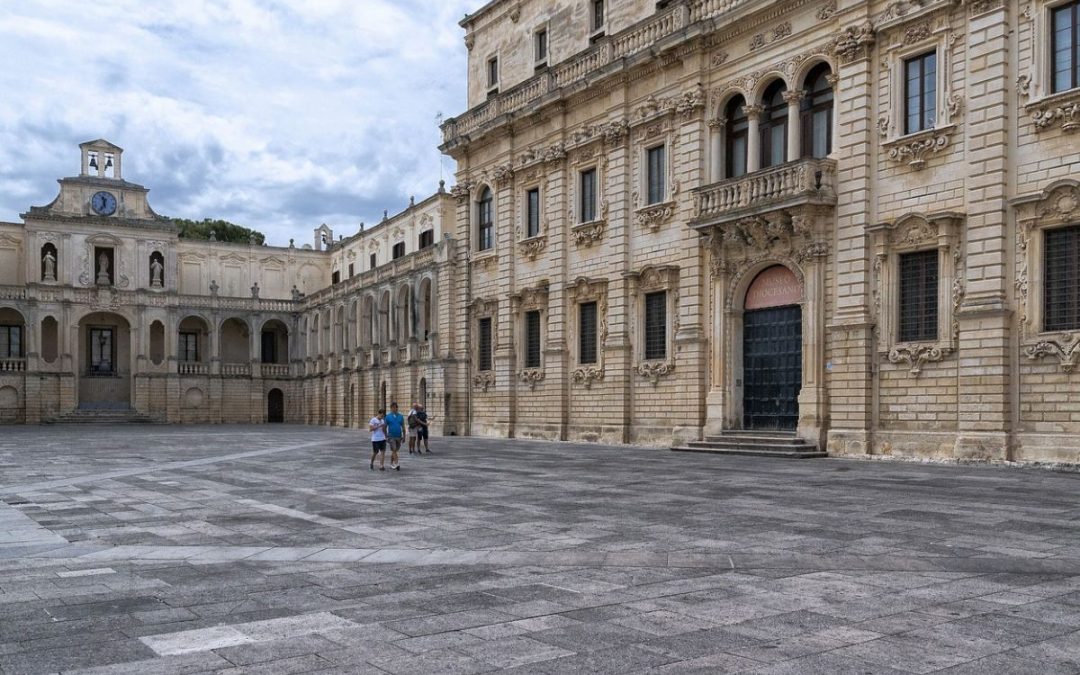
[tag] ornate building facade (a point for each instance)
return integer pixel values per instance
(855, 222)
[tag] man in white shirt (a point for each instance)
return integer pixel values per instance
(412, 424)
(377, 426)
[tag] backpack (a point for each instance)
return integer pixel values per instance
(412, 420)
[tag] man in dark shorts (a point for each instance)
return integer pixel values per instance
(377, 427)
(395, 433)
(422, 429)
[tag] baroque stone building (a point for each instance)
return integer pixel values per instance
(852, 221)
(104, 309)
(857, 220)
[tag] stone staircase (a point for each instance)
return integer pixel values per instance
(780, 444)
(104, 416)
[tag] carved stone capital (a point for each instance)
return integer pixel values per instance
(1065, 348)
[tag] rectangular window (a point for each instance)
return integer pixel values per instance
(532, 339)
(597, 15)
(483, 344)
(1061, 262)
(335, 277)
(352, 270)
(427, 238)
(532, 213)
(102, 350)
(587, 333)
(920, 92)
(189, 347)
(656, 325)
(1065, 46)
(541, 46)
(398, 250)
(493, 72)
(588, 195)
(919, 296)
(10, 342)
(656, 172)
(372, 260)
(486, 228)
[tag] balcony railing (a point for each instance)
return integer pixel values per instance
(192, 368)
(635, 39)
(236, 369)
(274, 369)
(809, 181)
(12, 365)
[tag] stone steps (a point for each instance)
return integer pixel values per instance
(105, 417)
(755, 444)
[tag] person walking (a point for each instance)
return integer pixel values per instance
(377, 427)
(395, 434)
(412, 428)
(422, 429)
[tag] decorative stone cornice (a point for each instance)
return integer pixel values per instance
(531, 376)
(1064, 347)
(532, 247)
(587, 234)
(915, 356)
(654, 370)
(484, 261)
(1061, 110)
(655, 216)
(914, 149)
(586, 375)
(535, 297)
(484, 380)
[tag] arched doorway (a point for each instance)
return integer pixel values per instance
(772, 350)
(275, 407)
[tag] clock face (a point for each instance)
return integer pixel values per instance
(103, 203)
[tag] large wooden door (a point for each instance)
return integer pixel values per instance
(772, 367)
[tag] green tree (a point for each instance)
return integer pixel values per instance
(223, 231)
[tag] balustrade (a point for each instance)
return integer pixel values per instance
(274, 369)
(192, 368)
(12, 365)
(236, 369)
(810, 178)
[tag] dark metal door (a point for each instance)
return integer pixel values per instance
(275, 407)
(772, 367)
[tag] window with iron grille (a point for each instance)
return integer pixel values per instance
(532, 339)
(483, 346)
(532, 215)
(656, 171)
(588, 195)
(1061, 264)
(485, 227)
(587, 333)
(189, 347)
(919, 296)
(920, 92)
(1065, 46)
(10, 342)
(656, 325)
(427, 238)
(102, 350)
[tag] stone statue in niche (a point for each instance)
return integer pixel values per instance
(255, 291)
(214, 287)
(296, 294)
(157, 271)
(48, 263)
(103, 270)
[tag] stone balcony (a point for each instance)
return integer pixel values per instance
(804, 182)
(12, 365)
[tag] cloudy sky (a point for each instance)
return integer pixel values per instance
(274, 114)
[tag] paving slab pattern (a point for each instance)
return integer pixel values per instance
(276, 550)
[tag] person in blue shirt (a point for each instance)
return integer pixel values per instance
(395, 433)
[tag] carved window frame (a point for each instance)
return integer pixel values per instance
(484, 308)
(1046, 108)
(918, 36)
(591, 156)
(654, 133)
(533, 179)
(911, 233)
(533, 299)
(650, 280)
(1056, 206)
(581, 291)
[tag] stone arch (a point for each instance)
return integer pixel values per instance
(368, 321)
(801, 72)
(403, 309)
(426, 302)
(199, 325)
(384, 318)
(742, 280)
(157, 342)
(723, 100)
(764, 83)
(274, 341)
(234, 340)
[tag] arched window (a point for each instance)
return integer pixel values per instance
(157, 270)
(49, 260)
(485, 232)
(773, 126)
(737, 128)
(816, 113)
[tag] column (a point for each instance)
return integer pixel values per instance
(794, 124)
(716, 144)
(753, 141)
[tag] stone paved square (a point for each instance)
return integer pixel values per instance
(153, 549)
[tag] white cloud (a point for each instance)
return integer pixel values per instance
(276, 114)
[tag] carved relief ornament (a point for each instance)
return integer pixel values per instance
(584, 289)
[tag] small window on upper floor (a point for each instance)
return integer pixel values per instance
(532, 213)
(485, 225)
(493, 75)
(1065, 46)
(920, 92)
(541, 41)
(398, 250)
(352, 270)
(427, 238)
(597, 17)
(588, 196)
(335, 277)
(374, 261)
(656, 173)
